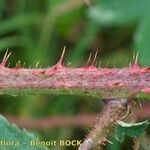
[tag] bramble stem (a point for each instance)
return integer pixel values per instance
(86, 81)
(103, 83)
(105, 122)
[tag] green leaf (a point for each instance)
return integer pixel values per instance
(20, 140)
(19, 21)
(12, 41)
(131, 129)
(116, 12)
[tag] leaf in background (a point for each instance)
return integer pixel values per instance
(131, 129)
(10, 132)
(142, 41)
(19, 21)
(117, 12)
(91, 29)
(2, 6)
(11, 41)
(64, 23)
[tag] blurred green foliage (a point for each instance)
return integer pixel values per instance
(38, 30)
(122, 13)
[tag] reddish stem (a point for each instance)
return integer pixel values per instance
(89, 81)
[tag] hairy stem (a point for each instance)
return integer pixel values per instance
(104, 83)
(105, 122)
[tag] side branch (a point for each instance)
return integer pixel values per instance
(105, 122)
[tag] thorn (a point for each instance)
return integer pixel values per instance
(18, 64)
(145, 69)
(37, 64)
(95, 56)
(68, 64)
(133, 57)
(24, 65)
(140, 104)
(62, 56)
(110, 142)
(5, 58)
(59, 64)
(8, 64)
(88, 61)
(107, 64)
(135, 60)
(134, 141)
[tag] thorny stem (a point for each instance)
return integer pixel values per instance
(105, 122)
(104, 83)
